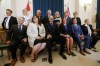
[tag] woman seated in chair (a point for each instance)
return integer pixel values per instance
(36, 37)
(64, 30)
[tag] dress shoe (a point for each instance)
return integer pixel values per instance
(81, 52)
(22, 59)
(63, 56)
(86, 51)
(68, 52)
(50, 60)
(73, 54)
(13, 62)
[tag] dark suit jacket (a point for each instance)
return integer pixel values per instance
(12, 21)
(52, 30)
(69, 20)
(45, 20)
(78, 21)
(75, 31)
(62, 29)
(15, 34)
(40, 19)
(85, 29)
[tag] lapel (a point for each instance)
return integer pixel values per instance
(10, 19)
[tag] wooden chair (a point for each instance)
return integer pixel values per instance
(3, 45)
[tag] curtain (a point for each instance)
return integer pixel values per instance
(98, 15)
(44, 5)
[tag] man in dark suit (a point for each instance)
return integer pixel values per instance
(9, 20)
(79, 36)
(66, 16)
(17, 37)
(38, 15)
(46, 18)
(88, 30)
(53, 36)
(75, 14)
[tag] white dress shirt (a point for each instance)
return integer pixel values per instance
(7, 22)
(89, 30)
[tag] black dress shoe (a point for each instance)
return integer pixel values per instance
(50, 60)
(63, 56)
(73, 54)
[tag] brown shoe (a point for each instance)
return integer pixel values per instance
(13, 62)
(86, 51)
(82, 53)
(22, 59)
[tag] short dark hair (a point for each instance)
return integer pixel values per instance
(9, 10)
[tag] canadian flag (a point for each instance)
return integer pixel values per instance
(28, 6)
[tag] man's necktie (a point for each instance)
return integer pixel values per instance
(19, 27)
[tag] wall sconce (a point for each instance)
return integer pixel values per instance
(85, 4)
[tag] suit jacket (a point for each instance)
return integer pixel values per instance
(15, 34)
(85, 29)
(45, 20)
(69, 20)
(75, 31)
(32, 33)
(12, 21)
(78, 20)
(52, 29)
(62, 29)
(40, 19)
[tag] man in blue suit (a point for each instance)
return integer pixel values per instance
(79, 36)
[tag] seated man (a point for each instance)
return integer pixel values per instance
(78, 36)
(53, 36)
(17, 37)
(88, 30)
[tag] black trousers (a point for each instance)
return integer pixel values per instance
(60, 40)
(95, 38)
(17, 44)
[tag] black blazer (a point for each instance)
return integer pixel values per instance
(52, 30)
(85, 29)
(45, 20)
(63, 31)
(78, 20)
(15, 34)
(12, 21)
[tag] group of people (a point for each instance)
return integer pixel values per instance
(39, 32)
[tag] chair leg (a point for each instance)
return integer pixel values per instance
(1, 53)
(8, 52)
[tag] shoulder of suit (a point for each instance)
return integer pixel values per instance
(13, 17)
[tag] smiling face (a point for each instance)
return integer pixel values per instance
(35, 19)
(51, 19)
(87, 21)
(74, 21)
(8, 12)
(20, 20)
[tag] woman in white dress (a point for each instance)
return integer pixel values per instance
(36, 37)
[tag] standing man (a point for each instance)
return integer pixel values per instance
(66, 16)
(17, 37)
(46, 18)
(9, 20)
(75, 14)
